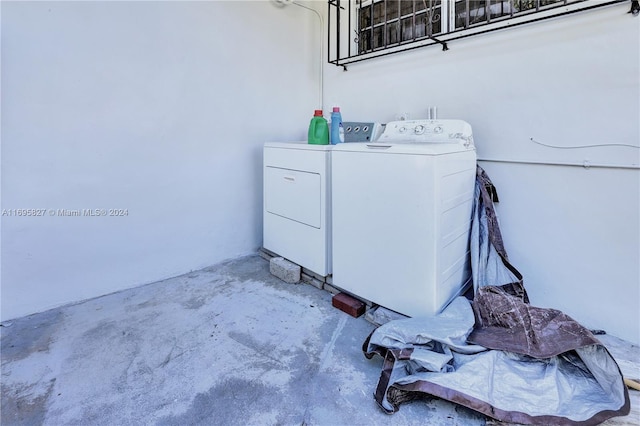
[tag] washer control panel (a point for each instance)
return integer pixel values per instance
(428, 131)
(358, 131)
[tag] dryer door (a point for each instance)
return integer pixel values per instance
(293, 194)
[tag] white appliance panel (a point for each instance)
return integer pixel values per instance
(401, 223)
(297, 202)
(285, 185)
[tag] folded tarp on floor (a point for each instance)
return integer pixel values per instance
(431, 357)
(501, 357)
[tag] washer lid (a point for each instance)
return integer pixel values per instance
(403, 148)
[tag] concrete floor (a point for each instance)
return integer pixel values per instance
(226, 345)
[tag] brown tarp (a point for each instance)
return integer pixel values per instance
(549, 349)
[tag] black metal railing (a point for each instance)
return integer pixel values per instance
(365, 29)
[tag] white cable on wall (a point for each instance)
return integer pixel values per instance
(320, 77)
(599, 145)
(585, 164)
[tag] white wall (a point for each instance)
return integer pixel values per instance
(160, 108)
(573, 232)
(157, 107)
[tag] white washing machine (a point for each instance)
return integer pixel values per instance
(297, 203)
(402, 215)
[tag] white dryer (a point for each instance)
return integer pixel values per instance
(402, 215)
(297, 202)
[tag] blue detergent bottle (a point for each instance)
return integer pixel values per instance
(337, 131)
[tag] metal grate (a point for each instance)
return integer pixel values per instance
(393, 22)
(364, 29)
